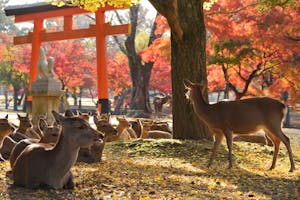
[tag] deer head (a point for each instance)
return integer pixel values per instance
(49, 133)
(104, 126)
(6, 127)
(25, 123)
(73, 129)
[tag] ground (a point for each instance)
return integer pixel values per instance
(176, 169)
(173, 169)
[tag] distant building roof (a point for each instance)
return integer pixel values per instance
(30, 8)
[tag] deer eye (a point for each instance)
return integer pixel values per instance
(82, 126)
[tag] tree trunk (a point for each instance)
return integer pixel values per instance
(188, 43)
(140, 74)
(6, 98)
(16, 90)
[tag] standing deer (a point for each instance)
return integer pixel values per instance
(159, 102)
(240, 117)
(39, 165)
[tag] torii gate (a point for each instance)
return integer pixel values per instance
(38, 12)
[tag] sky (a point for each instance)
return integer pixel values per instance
(17, 2)
(145, 3)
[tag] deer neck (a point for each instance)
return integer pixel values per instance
(64, 154)
(144, 132)
(22, 130)
(120, 129)
(201, 107)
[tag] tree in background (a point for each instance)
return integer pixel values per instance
(14, 68)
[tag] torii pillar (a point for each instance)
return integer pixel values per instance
(38, 12)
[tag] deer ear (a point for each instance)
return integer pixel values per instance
(69, 113)
(58, 118)
(187, 83)
(96, 120)
(19, 116)
(6, 117)
(43, 125)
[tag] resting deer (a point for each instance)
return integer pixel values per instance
(92, 153)
(39, 165)
(154, 134)
(122, 133)
(240, 117)
(6, 128)
(50, 136)
(6, 147)
(85, 116)
(24, 130)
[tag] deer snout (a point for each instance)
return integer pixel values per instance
(99, 136)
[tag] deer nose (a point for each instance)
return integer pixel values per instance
(100, 135)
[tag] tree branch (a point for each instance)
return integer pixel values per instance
(168, 8)
(121, 47)
(233, 11)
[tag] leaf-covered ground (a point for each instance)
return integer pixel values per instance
(173, 169)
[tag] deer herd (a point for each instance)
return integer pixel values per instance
(42, 155)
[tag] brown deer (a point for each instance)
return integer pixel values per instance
(39, 165)
(50, 136)
(240, 117)
(6, 147)
(158, 102)
(24, 130)
(103, 125)
(85, 116)
(154, 134)
(6, 128)
(122, 133)
(92, 153)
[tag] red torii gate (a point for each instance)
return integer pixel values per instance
(38, 12)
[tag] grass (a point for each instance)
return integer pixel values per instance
(173, 169)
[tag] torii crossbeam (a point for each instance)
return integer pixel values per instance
(38, 12)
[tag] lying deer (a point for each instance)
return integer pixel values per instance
(240, 117)
(92, 153)
(122, 133)
(6, 147)
(6, 128)
(24, 130)
(154, 134)
(49, 136)
(38, 165)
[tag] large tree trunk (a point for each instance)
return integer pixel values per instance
(188, 41)
(140, 74)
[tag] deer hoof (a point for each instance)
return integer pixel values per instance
(292, 169)
(272, 167)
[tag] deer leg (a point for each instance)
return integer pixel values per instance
(228, 136)
(286, 141)
(276, 143)
(68, 179)
(217, 142)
